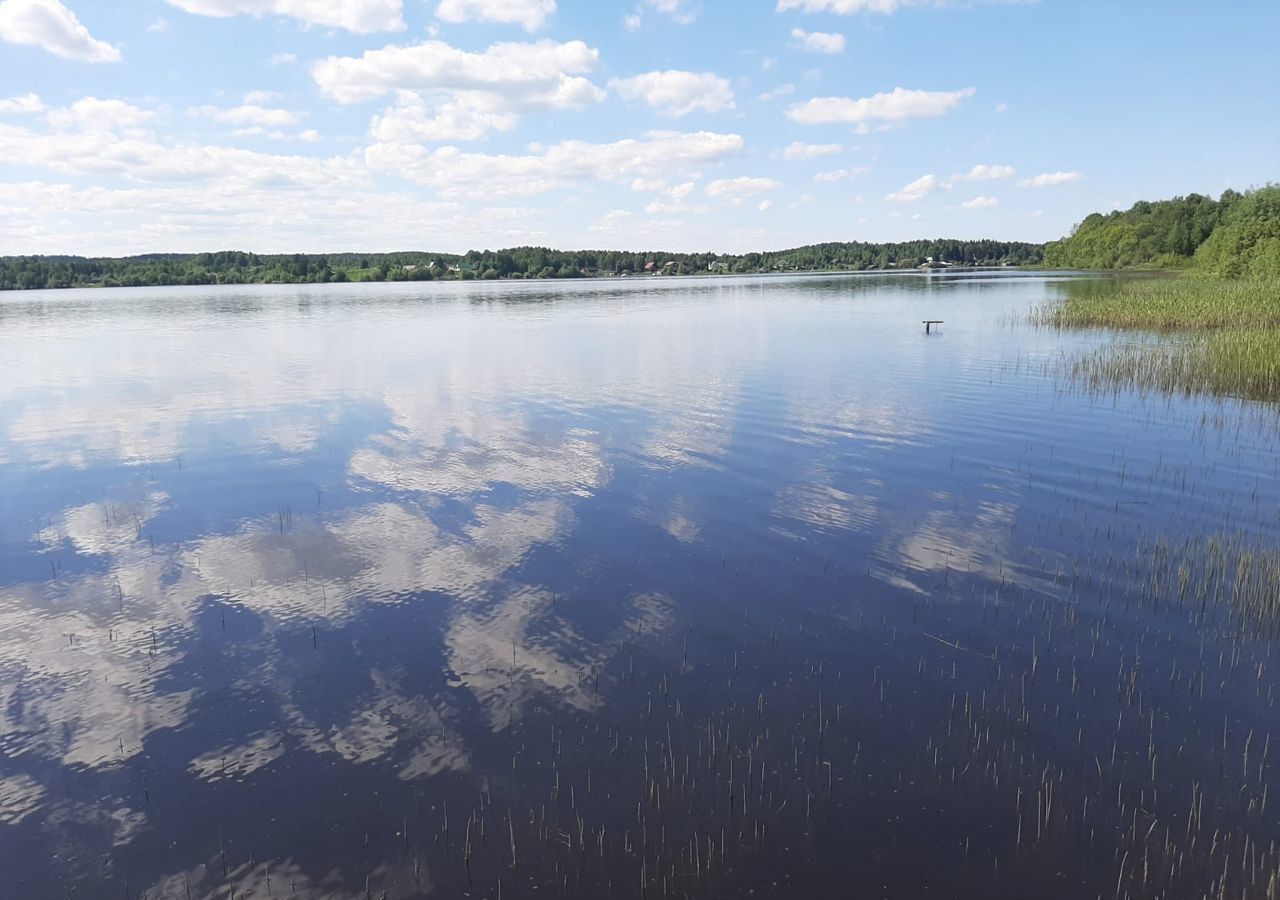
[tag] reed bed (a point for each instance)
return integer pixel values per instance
(1227, 336)
(1189, 303)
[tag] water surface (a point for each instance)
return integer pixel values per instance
(640, 588)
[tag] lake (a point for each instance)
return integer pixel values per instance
(646, 588)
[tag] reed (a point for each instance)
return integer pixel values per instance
(1220, 337)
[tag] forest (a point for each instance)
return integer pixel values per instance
(238, 267)
(1237, 235)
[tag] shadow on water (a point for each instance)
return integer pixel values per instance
(691, 588)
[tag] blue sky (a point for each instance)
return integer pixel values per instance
(325, 125)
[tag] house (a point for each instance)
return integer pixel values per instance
(648, 267)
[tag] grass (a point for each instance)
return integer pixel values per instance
(1227, 335)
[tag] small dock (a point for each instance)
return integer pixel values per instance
(929, 323)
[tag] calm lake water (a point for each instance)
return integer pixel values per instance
(636, 589)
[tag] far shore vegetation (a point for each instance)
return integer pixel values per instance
(238, 267)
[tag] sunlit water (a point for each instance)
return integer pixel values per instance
(649, 588)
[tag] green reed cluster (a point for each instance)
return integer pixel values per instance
(1226, 335)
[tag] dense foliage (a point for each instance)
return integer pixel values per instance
(1237, 234)
(235, 267)
(1247, 242)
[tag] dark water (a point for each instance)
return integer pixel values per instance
(706, 588)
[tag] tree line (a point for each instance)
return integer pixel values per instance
(238, 267)
(1236, 235)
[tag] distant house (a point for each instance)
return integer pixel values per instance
(410, 268)
(649, 266)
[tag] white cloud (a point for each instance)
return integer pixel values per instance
(457, 174)
(800, 150)
(681, 191)
(817, 41)
(676, 200)
(884, 7)
(466, 119)
(980, 203)
(50, 25)
(446, 94)
(530, 75)
(528, 14)
(765, 205)
(674, 93)
(840, 174)
(632, 22)
(612, 220)
(357, 16)
(984, 173)
(916, 190)
(249, 115)
(159, 26)
(892, 108)
(27, 103)
(261, 97)
(839, 7)
(92, 114)
(283, 59)
(1050, 179)
(96, 137)
(735, 190)
(782, 90)
(682, 12)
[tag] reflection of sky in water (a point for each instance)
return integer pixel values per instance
(293, 528)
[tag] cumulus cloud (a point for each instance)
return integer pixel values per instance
(27, 104)
(446, 94)
(817, 41)
(457, 174)
(736, 190)
(249, 115)
(891, 108)
(840, 174)
(50, 25)
(92, 114)
(980, 203)
(840, 7)
(468, 118)
(675, 93)
(782, 90)
(530, 75)
(528, 14)
(357, 16)
(916, 190)
(800, 150)
(1050, 179)
(94, 137)
(883, 7)
(984, 173)
(682, 12)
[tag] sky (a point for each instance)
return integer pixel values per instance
(707, 125)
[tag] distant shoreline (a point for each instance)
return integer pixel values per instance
(516, 264)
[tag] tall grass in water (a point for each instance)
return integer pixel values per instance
(1228, 335)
